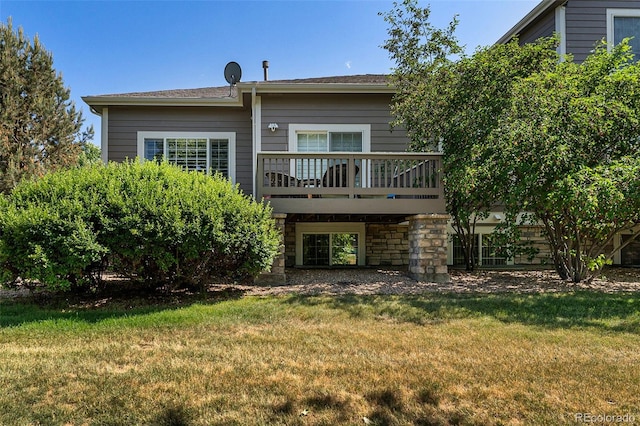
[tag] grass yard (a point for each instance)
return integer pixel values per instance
(435, 359)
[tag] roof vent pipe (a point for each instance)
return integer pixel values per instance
(265, 67)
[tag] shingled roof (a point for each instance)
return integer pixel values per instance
(344, 79)
(224, 92)
(203, 92)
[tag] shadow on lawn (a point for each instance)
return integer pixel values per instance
(387, 405)
(96, 307)
(611, 312)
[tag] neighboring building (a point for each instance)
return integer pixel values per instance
(581, 24)
(321, 151)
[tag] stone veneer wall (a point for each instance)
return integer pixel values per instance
(387, 245)
(290, 244)
(428, 247)
(277, 273)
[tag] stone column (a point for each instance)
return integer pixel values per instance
(276, 276)
(428, 247)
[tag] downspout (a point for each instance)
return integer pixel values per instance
(104, 133)
(254, 148)
(561, 30)
(104, 136)
(256, 117)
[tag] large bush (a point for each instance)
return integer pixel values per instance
(150, 222)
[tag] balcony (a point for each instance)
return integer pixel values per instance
(377, 183)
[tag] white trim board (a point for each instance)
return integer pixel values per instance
(618, 13)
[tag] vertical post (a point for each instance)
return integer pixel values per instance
(276, 275)
(428, 248)
(351, 167)
(260, 175)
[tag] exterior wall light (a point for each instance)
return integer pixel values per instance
(273, 127)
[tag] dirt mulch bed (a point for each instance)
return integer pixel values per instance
(380, 281)
(361, 282)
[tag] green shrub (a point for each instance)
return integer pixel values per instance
(151, 222)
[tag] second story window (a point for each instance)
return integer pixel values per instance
(200, 151)
(624, 23)
(329, 138)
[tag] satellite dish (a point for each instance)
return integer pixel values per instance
(232, 73)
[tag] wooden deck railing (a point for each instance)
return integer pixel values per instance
(352, 181)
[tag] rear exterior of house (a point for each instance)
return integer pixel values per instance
(343, 188)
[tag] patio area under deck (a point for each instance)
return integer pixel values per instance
(378, 183)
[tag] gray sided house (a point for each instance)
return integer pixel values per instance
(342, 186)
(580, 24)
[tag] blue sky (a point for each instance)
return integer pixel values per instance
(103, 47)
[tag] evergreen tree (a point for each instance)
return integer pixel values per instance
(40, 129)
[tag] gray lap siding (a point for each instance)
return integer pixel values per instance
(373, 109)
(126, 122)
(585, 24)
(545, 27)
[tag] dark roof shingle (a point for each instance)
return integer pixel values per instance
(222, 92)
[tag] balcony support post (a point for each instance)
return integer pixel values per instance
(428, 248)
(276, 275)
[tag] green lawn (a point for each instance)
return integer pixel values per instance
(423, 360)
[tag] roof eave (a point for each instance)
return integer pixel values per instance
(99, 102)
(535, 13)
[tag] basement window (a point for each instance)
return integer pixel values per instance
(330, 244)
(485, 251)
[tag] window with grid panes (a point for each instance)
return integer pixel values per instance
(208, 153)
(315, 141)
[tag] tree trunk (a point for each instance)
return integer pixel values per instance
(466, 238)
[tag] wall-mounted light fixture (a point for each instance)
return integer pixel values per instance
(273, 126)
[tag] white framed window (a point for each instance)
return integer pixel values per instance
(330, 244)
(623, 23)
(203, 151)
(333, 138)
(330, 137)
(486, 252)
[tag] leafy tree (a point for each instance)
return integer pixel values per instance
(419, 50)
(596, 204)
(478, 88)
(523, 129)
(40, 129)
(456, 103)
(566, 150)
(89, 155)
(343, 250)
